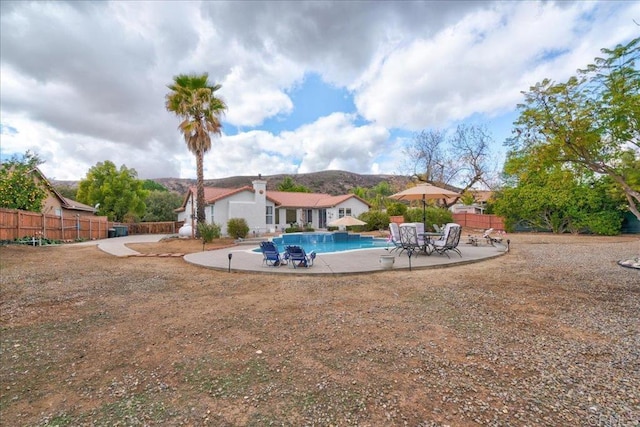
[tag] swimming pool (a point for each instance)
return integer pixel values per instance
(328, 242)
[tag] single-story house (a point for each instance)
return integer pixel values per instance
(269, 211)
(480, 197)
(58, 205)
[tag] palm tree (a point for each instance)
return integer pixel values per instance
(192, 99)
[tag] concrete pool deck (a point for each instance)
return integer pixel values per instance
(350, 262)
(243, 259)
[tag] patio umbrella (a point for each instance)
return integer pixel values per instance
(346, 221)
(424, 192)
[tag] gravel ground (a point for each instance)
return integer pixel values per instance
(547, 335)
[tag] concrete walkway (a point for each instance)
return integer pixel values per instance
(116, 246)
(243, 258)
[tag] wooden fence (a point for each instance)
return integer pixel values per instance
(166, 227)
(479, 221)
(16, 224)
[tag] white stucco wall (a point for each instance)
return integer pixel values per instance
(251, 205)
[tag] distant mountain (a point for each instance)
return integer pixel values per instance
(329, 182)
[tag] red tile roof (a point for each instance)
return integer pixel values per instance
(280, 198)
(308, 200)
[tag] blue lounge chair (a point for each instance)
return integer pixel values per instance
(270, 253)
(298, 257)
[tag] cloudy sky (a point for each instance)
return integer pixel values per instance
(309, 86)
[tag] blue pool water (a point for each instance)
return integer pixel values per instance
(328, 242)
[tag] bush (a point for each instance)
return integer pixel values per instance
(208, 232)
(237, 228)
(376, 220)
(396, 209)
(434, 216)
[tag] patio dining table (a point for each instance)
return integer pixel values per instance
(428, 237)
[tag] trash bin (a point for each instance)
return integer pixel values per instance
(121, 230)
(111, 233)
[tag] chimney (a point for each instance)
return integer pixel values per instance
(260, 188)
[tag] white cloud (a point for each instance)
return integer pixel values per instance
(332, 142)
(250, 101)
(84, 82)
(480, 64)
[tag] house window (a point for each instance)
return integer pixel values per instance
(308, 216)
(291, 216)
(344, 211)
(269, 214)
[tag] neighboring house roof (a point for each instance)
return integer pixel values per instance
(65, 202)
(73, 205)
(482, 195)
(283, 199)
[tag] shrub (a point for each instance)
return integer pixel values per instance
(376, 220)
(208, 232)
(237, 228)
(434, 216)
(396, 209)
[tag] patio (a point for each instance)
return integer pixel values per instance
(352, 262)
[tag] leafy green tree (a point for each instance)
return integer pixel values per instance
(161, 205)
(193, 100)
(380, 195)
(377, 196)
(66, 191)
(549, 196)
(118, 193)
(589, 122)
(289, 185)
(361, 192)
(20, 187)
(151, 185)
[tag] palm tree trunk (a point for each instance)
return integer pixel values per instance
(200, 215)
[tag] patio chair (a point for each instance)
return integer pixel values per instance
(449, 240)
(420, 233)
(394, 237)
(490, 239)
(271, 256)
(297, 256)
(409, 238)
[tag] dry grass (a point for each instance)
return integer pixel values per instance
(547, 335)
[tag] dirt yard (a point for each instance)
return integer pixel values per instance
(547, 335)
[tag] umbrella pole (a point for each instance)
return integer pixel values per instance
(424, 212)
